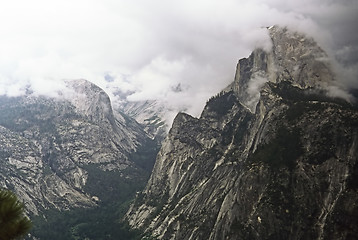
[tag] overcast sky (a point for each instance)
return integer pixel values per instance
(180, 52)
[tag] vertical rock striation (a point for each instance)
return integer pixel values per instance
(271, 157)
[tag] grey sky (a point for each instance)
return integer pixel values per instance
(150, 47)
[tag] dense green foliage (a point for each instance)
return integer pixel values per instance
(13, 223)
(102, 222)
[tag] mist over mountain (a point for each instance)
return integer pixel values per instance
(264, 147)
(273, 155)
(147, 49)
(274, 161)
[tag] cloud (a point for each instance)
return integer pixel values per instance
(148, 48)
(253, 89)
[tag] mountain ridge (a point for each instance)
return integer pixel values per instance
(51, 146)
(268, 166)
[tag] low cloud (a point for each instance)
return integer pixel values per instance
(148, 48)
(253, 89)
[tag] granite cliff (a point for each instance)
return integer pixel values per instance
(271, 157)
(69, 151)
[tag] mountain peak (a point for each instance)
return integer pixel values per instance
(301, 57)
(91, 100)
(286, 169)
(293, 57)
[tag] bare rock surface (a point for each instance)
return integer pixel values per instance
(51, 147)
(271, 157)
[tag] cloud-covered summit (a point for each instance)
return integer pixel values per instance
(148, 48)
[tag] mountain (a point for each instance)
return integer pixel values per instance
(71, 151)
(150, 113)
(271, 157)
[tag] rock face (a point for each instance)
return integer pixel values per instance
(50, 147)
(270, 158)
(151, 114)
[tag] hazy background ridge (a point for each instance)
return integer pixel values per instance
(178, 52)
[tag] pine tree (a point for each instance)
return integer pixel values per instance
(13, 223)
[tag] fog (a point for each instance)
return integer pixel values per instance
(179, 53)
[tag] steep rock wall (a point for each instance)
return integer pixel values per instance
(281, 167)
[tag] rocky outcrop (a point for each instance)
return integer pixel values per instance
(271, 157)
(51, 148)
(294, 58)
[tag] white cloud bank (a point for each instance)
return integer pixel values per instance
(180, 52)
